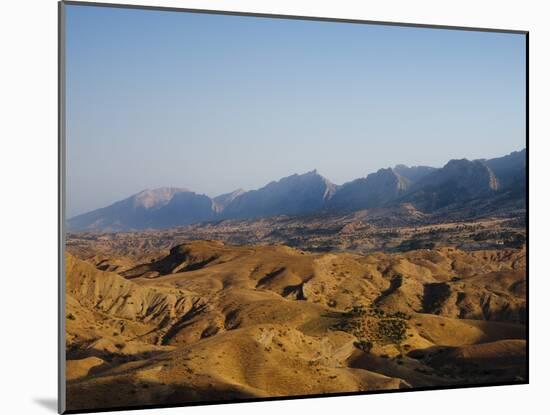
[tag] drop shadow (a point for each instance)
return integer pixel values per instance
(48, 403)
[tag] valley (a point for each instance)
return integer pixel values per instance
(204, 320)
(410, 277)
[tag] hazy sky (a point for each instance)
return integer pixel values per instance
(213, 103)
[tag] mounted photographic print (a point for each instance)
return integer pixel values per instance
(258, 207)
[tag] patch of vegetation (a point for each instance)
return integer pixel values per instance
(507, 238)
(394, 330)
(400, 315)
(373, 326)
(349, 326)
(356, 311)
(414, 244)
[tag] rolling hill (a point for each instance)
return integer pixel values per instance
(209, 321)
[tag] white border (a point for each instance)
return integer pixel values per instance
(28, 164)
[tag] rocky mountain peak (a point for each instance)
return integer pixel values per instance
(155, 198)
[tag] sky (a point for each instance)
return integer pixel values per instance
(213, 103)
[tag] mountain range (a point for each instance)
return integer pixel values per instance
(494, 183)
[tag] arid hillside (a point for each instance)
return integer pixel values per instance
(207, 321)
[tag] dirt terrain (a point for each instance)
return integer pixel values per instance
(162, 320)
(398, 229)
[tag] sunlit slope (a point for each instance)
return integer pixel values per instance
(209, 321)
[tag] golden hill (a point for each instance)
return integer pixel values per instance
(210, 321)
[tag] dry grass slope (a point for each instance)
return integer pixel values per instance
(210, 321)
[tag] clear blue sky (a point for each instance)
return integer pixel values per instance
(213, 102)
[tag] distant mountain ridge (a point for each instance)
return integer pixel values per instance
(428, 189)
(292, 195)
(375, 190)
(413, 173)
(222, 201)
(458, 180)
(158, 208)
